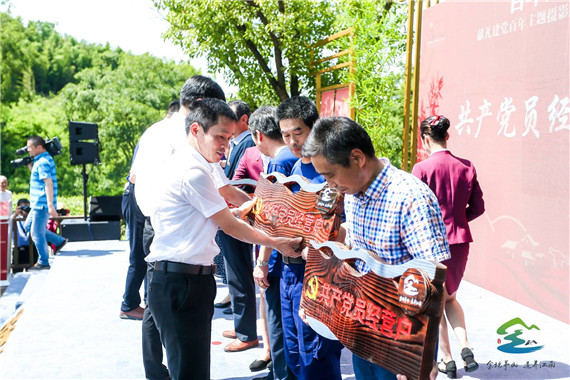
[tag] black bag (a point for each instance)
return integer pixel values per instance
(23, 255)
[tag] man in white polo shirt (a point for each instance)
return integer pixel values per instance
(188, 211)
(155, 149)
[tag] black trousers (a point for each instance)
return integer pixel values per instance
(151, 344)
(239, 272)
(136, 273)
(182, 306)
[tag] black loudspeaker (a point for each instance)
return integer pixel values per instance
(83, 152)
(79, 131)
(105, 208)
(81, 230)
(83, 143)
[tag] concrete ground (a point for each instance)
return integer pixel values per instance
(70, 327)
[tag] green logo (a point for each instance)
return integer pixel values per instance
(513, 332)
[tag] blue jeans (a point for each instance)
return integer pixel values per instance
(36, 225)
(280, 370)
(364, 370)
(309, 355)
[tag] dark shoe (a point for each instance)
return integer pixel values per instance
(237, 345)
(468, 360)
(135, 314)
(59, 247)
(448, 368)
(228, 311)
(222, 305)
(259, 365)
(39, 266)
(231, 334)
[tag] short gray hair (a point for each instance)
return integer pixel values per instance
(334, 138)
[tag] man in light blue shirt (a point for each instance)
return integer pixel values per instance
(43, 198)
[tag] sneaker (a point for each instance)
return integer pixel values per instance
(59, 247)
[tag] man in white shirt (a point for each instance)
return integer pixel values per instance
(154, 156)
(135, 221)
(188, 211)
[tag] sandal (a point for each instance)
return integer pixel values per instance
(469, 360)
(448, 368)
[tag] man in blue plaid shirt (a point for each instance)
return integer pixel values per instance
(43, 198)
(388, 211)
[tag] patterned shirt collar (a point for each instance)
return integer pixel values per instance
(379, 184)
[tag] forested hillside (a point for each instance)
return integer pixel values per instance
(48, 79)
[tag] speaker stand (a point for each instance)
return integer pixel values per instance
(85, 178)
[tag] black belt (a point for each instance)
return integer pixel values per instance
(170, 266)
(293, 260)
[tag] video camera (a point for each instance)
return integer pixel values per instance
(53, 147)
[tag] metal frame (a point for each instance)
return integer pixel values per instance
(350, 64)
(413, 47)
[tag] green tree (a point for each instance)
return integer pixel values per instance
(16, 60)
(49, 79)
(261, 46)
(41, 116)
(123, 102)
(37, 59)
(379, 51)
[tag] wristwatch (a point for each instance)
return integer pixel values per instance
(261, 263)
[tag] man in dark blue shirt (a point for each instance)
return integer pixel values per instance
(238, 254)
(267, 136)
(308, 355)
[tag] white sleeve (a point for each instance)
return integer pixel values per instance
(148, 167)
(218, 175)
(200, 191)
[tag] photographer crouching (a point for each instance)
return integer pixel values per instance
(43, 198)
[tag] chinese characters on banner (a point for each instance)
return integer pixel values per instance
(500, 72)
(558, 117)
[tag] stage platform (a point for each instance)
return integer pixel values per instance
(70, 327)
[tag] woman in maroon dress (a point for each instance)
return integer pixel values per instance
(454, 182)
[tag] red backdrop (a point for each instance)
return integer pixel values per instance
(500, 72)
